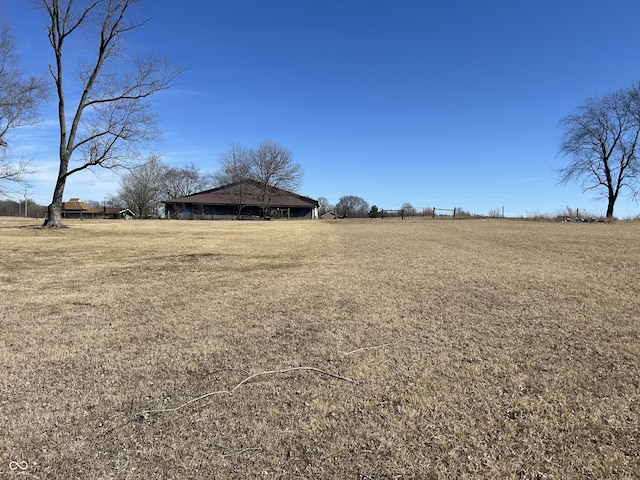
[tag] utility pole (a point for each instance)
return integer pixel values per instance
(25, 202)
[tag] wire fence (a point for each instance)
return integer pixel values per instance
(426, 213)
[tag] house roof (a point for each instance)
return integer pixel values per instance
(246, 192)
(330, 214)
(77, 205)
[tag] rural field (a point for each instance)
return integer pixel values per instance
(358, 349)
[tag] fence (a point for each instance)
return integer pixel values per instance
(428, 212)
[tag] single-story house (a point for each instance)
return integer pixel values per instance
(242, 200)
(76, 208)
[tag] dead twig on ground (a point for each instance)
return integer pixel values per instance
(145, 413)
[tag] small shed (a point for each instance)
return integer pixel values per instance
(329, 215)
(126, 214)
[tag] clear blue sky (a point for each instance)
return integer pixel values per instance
(449, 103)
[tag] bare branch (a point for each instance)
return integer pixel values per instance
(145, 413)
(20, 99)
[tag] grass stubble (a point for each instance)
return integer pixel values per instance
(481, 349)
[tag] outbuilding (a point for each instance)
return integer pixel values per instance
(76, 208)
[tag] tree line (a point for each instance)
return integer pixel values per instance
(353, 206)
(12, 208)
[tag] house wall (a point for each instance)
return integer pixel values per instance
(85, 215)
(190, 211)
(302, 213)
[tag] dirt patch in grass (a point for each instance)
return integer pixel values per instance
(495, 349)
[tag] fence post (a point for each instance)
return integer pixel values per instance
(454, 213)
(433, 213)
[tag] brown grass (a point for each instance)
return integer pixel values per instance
(484, 349)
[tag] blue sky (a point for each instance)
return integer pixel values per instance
(450, 103)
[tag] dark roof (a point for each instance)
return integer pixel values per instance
(76, 205)
(245, 192)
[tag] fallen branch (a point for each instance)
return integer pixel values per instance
(145, 413)
(376, 346)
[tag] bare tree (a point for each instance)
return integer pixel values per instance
(260, 172)
(140, 188)
(352, 206)
(408, 210)
(600, 138)
(235, 170)
(12, 172)
(180, 182)
(272, 166)
(20, 97)
(234, 165)
(111, 121)
(325, 205)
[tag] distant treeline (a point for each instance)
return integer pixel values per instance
(11, 208)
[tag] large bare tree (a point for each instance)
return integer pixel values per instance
(110, 122)
(273, 168)
(235, 165)
(179, 182)
(235, 170)
(141, 188)
(352, 206)
(20, 98)
(258, 172)
(600, 139)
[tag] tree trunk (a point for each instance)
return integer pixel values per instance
(610, 205)
(54, 217)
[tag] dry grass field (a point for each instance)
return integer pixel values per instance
(320, 350)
